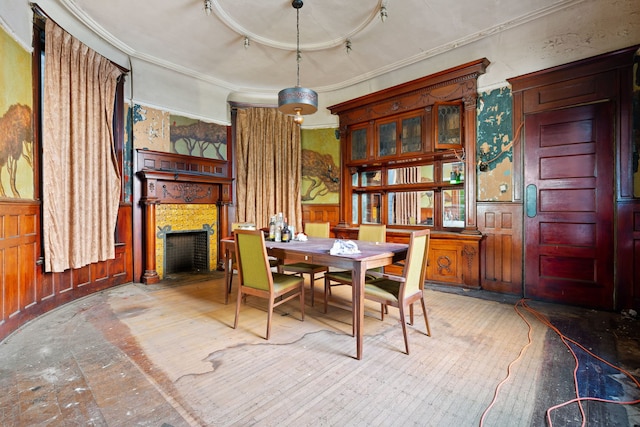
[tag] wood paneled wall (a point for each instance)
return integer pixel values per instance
(321, 213)
(26, 291)
(501, 248)
(628, 294)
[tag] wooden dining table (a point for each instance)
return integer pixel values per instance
(315, 250)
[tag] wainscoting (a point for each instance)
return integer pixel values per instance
(27, 291)
(501, 248)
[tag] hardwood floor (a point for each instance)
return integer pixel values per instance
(167, 355)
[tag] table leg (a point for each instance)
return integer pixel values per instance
(357, 296)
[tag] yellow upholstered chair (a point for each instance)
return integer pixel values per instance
(257, 279)
(403, 291)
(311, 229)
(367, 232)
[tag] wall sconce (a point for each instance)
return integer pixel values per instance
(247, 42)
(347, 46)
(207, 7)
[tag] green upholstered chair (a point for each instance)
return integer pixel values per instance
(257, 279)
(234, 267)
(311, 229)
(403, 291)
(367, 232)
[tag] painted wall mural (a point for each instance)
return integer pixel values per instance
(495, 145)
(320, 166)
(196, 138)
(16, 130)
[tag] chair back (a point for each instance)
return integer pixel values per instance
(415, 266)
(316, 229)
(372, 232)
(251, 255)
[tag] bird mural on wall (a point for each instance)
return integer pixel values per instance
(322, 172)
(16, 140)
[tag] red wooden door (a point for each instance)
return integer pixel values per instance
(569, 204)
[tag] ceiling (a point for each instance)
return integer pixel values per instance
(179, 35)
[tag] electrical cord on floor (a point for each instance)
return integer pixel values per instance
(522, 350)
(566, 340)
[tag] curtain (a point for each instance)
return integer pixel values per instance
(268, 167)
(81, 183)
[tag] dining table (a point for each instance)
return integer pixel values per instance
(317, 250)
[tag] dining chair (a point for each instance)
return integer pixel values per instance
(403, 291)
(234, 266)
(311, 229)
(257, 279)
(366, 232)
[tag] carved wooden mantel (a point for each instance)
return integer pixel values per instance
(176, 179)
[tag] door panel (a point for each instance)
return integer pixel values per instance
(569, 176)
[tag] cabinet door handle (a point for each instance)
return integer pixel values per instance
(531, 204)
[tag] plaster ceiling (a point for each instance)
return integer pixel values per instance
(178, 34)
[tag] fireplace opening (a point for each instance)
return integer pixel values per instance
(186, 251)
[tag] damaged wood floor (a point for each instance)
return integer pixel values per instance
(167, 355)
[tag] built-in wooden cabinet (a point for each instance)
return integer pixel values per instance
(408, 161)
(454, 258)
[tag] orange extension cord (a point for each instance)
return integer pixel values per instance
(522, 304)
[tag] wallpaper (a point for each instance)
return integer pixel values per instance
(495, 145)
(320, 166)
(16, 131)
(150, 128)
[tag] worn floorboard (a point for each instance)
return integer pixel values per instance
(167, 355)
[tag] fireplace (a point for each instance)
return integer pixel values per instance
(183, 206)
(186, 251)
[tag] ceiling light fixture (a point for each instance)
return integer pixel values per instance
(207, 7)
(297, 100)
(383, 13)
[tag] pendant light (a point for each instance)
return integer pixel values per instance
(297, 101)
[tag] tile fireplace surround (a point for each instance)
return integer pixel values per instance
(186, 217)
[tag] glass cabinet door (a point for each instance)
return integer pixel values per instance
(359, 144)
(453, 173)
(453, 208)
(387, 137)
(371, 208)
(411, 136)
(410, 208)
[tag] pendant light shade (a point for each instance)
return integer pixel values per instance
(297, 100)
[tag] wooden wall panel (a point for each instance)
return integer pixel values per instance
(25, 290)
(501, 248)
(321, 213)
(627, 293)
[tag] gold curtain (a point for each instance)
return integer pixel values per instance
(81, 183)
(268, 166)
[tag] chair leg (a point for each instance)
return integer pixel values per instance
(404, 327)
(426, 320)
(269, 316)
(411, 314)
(327, 288)
(238, 301)
(302, 301)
